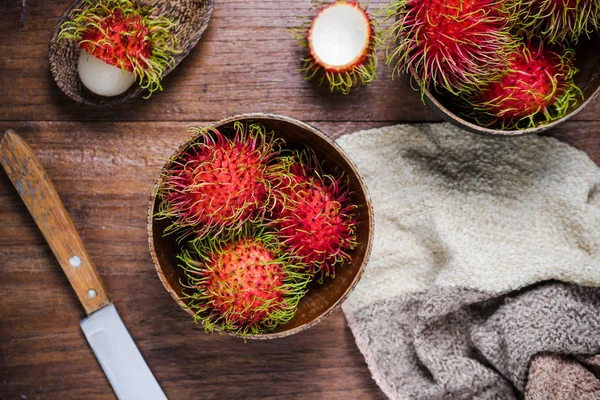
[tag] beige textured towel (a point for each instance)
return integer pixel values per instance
(486, 257)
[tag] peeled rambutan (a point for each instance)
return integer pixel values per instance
(220, 183)
(242, 284)
(560, 20)
(126, 38)
(456, 45)
(313, 215)
(536, 88)
(340, 40)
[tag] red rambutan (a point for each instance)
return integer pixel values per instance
(123, 34)
(536, 88)
(313, 215)
(341, 45)
(220, 183)
(560, 20)
(456, 45)
(242, 284)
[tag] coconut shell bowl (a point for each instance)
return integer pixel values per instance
(191, 19)
(322, 298)
(587, 61)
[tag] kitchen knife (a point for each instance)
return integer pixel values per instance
(124, 366)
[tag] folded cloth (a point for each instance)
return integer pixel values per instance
(486, 257)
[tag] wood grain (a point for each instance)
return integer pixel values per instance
(103, 163)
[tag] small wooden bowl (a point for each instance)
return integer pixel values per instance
(191, 17)
(587, 60)
(321, 299)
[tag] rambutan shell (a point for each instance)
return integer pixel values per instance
(537, 88)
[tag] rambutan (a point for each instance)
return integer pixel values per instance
(536, 88)
(313, 215)
(129, 40)
(340, 40)
(560, 20)
(456, 45)
(220, 183)
(242, 284)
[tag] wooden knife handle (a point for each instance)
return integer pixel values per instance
(29, 177)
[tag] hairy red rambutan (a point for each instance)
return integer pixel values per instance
(456, 45)
(559, 20)
(313, 216)
(220, 183)
(340, 40)
(242, 284)
(536, 88)
(124, 34)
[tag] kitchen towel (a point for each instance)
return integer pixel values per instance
(484, 279)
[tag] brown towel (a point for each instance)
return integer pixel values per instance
(484, 281)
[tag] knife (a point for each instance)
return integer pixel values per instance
(122, 362)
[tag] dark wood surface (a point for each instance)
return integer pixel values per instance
(103, 163)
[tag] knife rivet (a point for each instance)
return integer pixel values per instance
(75, 261)
(92, 294)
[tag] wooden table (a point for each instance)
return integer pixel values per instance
(103, 163)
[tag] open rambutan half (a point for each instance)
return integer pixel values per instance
(121, 41)
(220, 183)
(456, 45)
(242, 283)
(313, 215)
(560, 20)
(536, 88)
(341, 46)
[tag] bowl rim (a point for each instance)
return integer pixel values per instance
(353, 168)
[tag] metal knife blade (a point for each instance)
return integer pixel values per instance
(119, 357)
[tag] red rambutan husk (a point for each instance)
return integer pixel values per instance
(125, 34)
(220, 183)
(456, 45)
(313, 215)
(536, 88)
(361, 71)
(242, 283)
(555, 21)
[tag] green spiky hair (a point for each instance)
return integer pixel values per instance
(453, 45)
(220, 183)
(361, 72)
(560, 20)
(127, 35)
(536, 89)
(241, 282)
(314, 216)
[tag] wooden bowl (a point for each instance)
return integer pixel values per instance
(321, 299)
(587, 60)
(191, 16)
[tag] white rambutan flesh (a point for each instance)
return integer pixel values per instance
(340, 36)
(102, 78)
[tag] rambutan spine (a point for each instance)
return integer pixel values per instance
(361, 71)
(555, 21)
(314, 217)
(242, 282)
(220, 183)
(125, 34)
(453, 45)
(536, 89)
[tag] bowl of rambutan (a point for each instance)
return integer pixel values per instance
(259, 226)
(499, 67)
